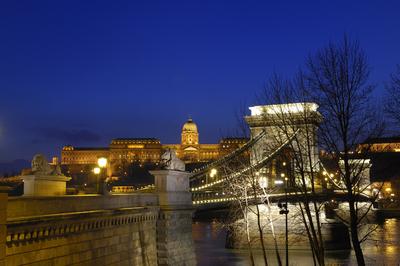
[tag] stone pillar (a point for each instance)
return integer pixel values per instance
(174, 227)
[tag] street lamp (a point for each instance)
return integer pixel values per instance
(284, 210)
(102, 163)
(96, 170)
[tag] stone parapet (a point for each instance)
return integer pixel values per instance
(34, 206)
(123, 229)
(118, 236)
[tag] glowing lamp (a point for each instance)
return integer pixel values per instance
(96, 170)
(102, 162)
(213, 172)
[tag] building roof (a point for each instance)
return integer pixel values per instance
(393, 139)
(190, 126)
(135, 141)
(90, 148)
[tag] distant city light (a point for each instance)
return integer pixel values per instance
(213, 172)
(263, 182)
(278, 182)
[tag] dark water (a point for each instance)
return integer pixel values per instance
(382, 249)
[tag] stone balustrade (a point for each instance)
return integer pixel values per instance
(25, 229)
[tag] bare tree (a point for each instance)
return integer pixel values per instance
(337, 79)
(392, 106)
(240, 211)
(292, 117)
(242, 183)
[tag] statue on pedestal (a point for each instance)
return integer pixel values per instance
(171, 162)
(44, 179)
(40, 166)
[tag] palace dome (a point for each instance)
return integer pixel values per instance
(189, 126)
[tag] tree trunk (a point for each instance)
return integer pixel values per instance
(354, 235)
(261, 235)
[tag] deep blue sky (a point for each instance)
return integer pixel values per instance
(83, 72)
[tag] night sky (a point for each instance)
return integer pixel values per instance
(84, 72)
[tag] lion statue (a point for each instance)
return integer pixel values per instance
(40, 166)
(171, 162)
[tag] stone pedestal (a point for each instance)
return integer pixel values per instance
(45, 185)
(172, 187)
(174, 227)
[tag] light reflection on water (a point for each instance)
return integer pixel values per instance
(382, 249)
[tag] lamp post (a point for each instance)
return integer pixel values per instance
(102, 164)
(284, 210)
(97, 171)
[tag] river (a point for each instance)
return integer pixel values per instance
(209, 239)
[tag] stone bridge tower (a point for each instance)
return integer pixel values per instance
(280, 122)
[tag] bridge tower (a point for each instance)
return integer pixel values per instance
(281, 122)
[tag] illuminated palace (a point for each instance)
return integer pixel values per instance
(124, 151)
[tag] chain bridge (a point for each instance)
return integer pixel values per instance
(266, 159)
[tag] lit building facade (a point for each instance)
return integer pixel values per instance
(122, 152)
(384, 154)
(384, 144)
